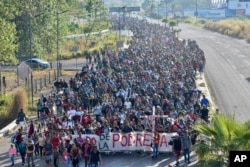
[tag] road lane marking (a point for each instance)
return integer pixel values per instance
(231, 64)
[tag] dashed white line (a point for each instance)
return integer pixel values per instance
(242, 76)
(231, 64)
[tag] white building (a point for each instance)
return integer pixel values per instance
(242, 7)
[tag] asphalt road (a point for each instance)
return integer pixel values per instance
(227, 70)
(227, 73)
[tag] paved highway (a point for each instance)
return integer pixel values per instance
(227, 70)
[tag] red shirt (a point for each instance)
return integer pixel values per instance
(46, 133)
(55, 142)
(99, 131)
(85, 120)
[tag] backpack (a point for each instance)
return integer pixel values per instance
(30, 147)
(13, 138)
(48, 148)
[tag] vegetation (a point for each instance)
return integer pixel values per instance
(34, 27)
(237, 28)
(94, 43)
(10, 104)
(218, 139)
(165, 21)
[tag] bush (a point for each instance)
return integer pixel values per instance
(236, 27)
(20, 101)
(5, 105)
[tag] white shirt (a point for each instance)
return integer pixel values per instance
(128, 104)
(71, 113)
(123, 117)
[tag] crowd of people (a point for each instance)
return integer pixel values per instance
(116, 93)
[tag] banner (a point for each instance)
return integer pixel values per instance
(134, 141)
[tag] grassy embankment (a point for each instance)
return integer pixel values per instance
(235, 27)
(89, 42)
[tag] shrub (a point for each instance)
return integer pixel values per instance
(20, 101)
(5, 105)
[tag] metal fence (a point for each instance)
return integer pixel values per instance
(32, 83)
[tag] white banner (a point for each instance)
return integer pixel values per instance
(134, 141)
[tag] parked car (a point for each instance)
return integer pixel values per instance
(36, 63)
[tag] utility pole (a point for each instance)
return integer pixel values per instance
(166, 8)
(57, 45)
(31, 75)
(196, 12)
(122, 8)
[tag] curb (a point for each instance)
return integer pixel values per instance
(8, 129)
(205, 90)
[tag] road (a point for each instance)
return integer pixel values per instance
(227, 70)
(227, 73)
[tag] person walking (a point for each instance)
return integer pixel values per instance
(156, 144)
(12, 153)
(75, 154)
(95, 157)
(48, 150)
(66, 158)
(21, 117)
(55, 156)
(177, 147)
(22, 150)
(30, 152)
(41, 143)
(86, 149)
(186, 146)
(18, 139)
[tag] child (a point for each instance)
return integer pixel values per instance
(66, 158)
(12, 153)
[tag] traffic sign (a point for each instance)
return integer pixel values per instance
(124, 9)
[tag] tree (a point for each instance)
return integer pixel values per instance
(172, 24)
(7, 44)
(35, 25)
(165, 21)
(96, 14)
(224, 134)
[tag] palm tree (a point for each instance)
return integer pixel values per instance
(219, 138)
(172, 24)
